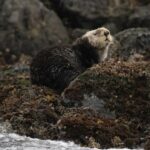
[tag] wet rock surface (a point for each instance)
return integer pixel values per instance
(28, 26)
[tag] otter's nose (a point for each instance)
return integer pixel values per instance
(106, 33)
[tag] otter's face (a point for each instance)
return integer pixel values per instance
(99, 38)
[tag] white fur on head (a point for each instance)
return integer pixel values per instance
(101, 39)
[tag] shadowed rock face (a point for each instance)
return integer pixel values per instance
(134, 44)
(147, 145)
(27, 26)
(47, 3)
(92, 13)
(143, 2)
(140, 17)
(113, 14)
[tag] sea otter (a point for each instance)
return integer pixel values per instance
(58, 66)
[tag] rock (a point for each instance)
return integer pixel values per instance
(147, 145)
(88, 129)
(77, 33)
(27, 26)
(112, 27)
(47, 3)
(145, 2)
(30, 109)
(39, 112)
(140, 17)
(113, 89)
(135, 44)
(93, 13)
(2, 60)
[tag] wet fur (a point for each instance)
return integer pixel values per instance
(57, 67)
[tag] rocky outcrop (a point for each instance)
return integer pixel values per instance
(140, 17)
(143, 2)
(47, 3)
(77, 33)
(119, 87)
(93, 13)
(27, 26)
(147, 145)
(30, 109)
(40, 113)
(134, 44)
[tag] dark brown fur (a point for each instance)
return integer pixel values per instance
(57, 67)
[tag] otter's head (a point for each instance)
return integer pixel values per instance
(93, 46)
(99, 38)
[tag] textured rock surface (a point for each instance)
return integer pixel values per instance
(140, 17)
(145, 2)
(27, 26)
(147, 145)
(38, 112)
(135, 44)
(121, 87)
(30, 109)
(76, 33)
(96, 12)
(47, 3)
(92, 130)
